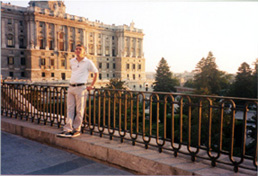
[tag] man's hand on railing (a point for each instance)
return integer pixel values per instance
(89, 88)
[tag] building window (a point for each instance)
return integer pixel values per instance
(139, 66)
(113, 37)
(107, 50)
(114, 75)
(52, 62)
(11, 74)
(10, 60)
(114, 66)
(61, 42)
(21, 23)
(127, 76)
(22, 74)
(61, 46)
(91, 75)
(51, 45)
(107, 65)
(127, 66)
(100, 76)
(99, 47)
(9, 21)
(72, 47)
(134, 66)
(52, 75)
(108, 75)
(10, 42)
(43, 74)
(100, 65)
(113, 52)
(23, 61)
(63, 76)
(133, 76)
(63, 63)
(91, 49)
(21, 42)
(43, 61)
(41, 44)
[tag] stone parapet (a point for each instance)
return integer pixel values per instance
(135, 158)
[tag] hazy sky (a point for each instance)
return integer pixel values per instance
(182, 32)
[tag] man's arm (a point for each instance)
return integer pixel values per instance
(93, 82)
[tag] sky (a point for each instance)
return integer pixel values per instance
(183, 32)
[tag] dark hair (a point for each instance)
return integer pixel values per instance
(79, 45)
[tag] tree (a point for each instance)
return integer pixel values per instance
(208, 79)
(255, 79)
(189, 83)
(243, 86)
(164, 81)
(116, 84)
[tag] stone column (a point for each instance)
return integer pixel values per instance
(120, 49)
(129, 46)
(28, 35)
(95, 43)
(55, 37)
(87, 42)
(68, 39)
(141, 49)
(46, 35)
(84, 38)
(3, 33)
(75, 36)
(110, 46)
(33, 31)
(135, 46)
(103, 45)
(34, 27)
(65, 39)
(16, 34)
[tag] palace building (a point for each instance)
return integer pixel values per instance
(39, 40)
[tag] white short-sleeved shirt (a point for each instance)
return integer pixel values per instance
(81, 70)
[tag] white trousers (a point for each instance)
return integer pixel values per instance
(76, 97)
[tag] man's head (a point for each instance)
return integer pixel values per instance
(80, 50)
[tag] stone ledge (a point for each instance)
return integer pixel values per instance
(135, 158)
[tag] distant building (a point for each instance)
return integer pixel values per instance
(39, 40)
(184, 77)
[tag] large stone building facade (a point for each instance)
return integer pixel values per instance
(39, 40)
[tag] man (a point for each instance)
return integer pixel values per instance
(77, 92)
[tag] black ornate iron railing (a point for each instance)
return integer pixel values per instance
(205, 127)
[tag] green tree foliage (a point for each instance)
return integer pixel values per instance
(208, 79)
(255, 79)
(164, 81)
(245, 84)
(189, 83)
(116, 84)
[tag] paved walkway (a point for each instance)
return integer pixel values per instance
(20, 156)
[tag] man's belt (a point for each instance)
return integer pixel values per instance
(79, 84)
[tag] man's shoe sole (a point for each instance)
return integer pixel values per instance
(76, 135)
